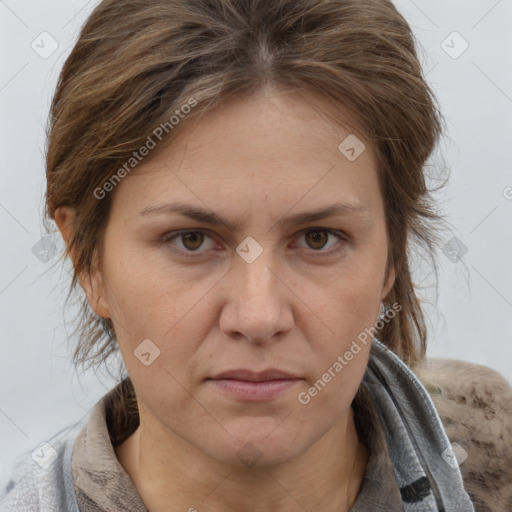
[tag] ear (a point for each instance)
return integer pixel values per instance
(389, 281)
(92, 283)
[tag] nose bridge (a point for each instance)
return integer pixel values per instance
(253, 270)
(258, 300)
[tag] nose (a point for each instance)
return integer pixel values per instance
(259, 302)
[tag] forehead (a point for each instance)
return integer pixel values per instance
(273, 146)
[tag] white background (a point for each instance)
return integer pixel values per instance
(471, 320)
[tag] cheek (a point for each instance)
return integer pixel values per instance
(346, 312)
(147, 303)
(140, 290)
(340, 358)
(355, 297)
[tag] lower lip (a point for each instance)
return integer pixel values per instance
(254, 391)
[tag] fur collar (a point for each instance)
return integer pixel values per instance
(475, 406)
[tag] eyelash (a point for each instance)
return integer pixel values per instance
(169, 237)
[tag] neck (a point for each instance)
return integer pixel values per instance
(166, 469)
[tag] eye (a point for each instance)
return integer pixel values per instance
(317, 239)
(193, 240)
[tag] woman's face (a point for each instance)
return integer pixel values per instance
(185, 306)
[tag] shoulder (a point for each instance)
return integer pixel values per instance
(41, 480)
(474, 403)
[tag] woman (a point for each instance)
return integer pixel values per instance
(238, 184)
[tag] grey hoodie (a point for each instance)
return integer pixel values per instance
(410, 462)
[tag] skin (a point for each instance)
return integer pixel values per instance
(253, 160)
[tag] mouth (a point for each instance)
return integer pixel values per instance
(247, 385)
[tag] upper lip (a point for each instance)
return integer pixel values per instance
(244, 374)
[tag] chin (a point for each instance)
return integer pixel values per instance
(261, 446)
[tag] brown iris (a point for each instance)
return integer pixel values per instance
(195, 238)
(317, 237)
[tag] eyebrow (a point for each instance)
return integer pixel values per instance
(200, 215)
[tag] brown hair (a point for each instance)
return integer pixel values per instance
(136, 62)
